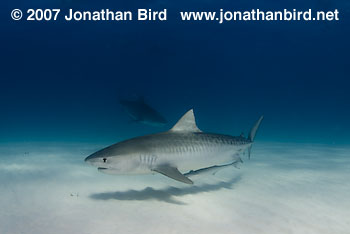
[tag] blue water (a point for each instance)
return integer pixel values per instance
(59, 89)
(61, 81)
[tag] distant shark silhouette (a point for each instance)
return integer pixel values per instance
(141, 112)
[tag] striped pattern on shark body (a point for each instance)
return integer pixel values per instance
(196, 142)
(182, 149)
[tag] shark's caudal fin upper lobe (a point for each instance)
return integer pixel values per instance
(252, 133)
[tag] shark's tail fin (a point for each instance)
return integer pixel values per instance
(252, 133)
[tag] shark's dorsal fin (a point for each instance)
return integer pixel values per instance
(187, 123)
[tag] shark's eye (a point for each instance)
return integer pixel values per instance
(104, 160)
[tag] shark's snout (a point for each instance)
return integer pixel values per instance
(95, 159)
(99, 159)
(90, 158)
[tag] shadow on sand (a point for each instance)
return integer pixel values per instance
(166, 194)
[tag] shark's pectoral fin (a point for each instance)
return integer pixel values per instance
(173, 173)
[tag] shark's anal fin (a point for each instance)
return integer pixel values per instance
(173, 173)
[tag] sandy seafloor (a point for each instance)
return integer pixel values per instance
(284, 188)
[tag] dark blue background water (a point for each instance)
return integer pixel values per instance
(61, 81)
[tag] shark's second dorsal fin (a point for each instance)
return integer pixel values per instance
(187, 123)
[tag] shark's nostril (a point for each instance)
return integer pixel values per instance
(104, 160)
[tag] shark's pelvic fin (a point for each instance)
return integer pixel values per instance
(213, 169)
(187, 123)
(173, 173)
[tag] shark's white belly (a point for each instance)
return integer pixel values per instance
(186, 161)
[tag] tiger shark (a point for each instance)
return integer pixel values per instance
(182, 151)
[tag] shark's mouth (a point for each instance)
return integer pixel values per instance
(110, 171)
(102, 168)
